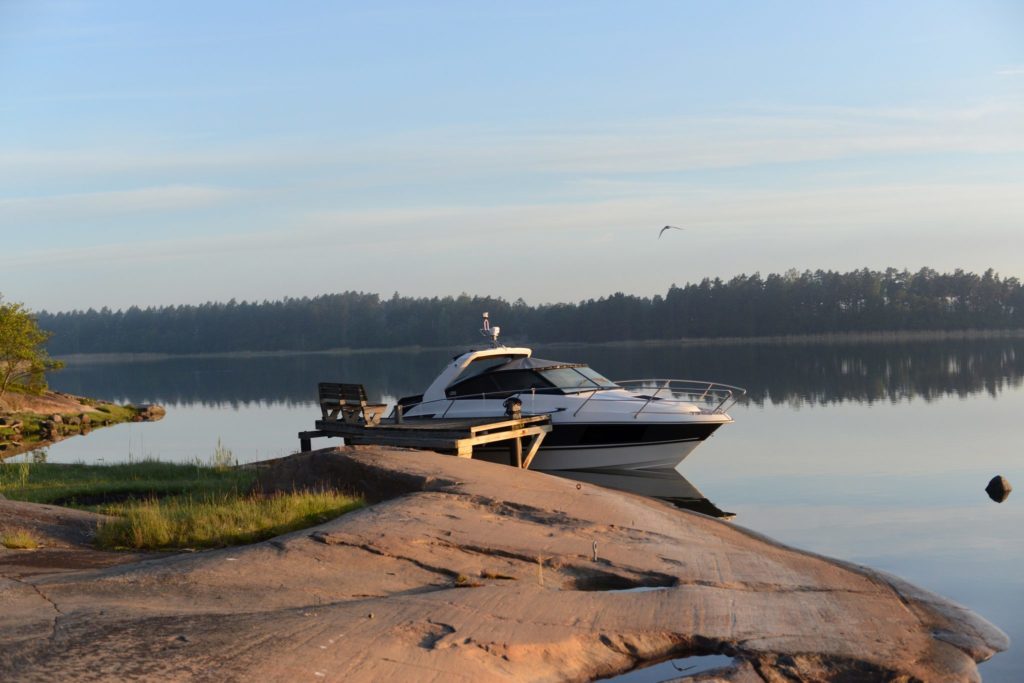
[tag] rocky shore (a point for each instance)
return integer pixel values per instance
(32, 421)
(466, 570)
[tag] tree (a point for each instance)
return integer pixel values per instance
(23, 360)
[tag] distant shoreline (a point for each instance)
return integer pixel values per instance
(879, 337)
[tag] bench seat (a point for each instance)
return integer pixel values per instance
(349, 403)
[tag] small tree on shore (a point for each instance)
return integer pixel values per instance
(23, 359)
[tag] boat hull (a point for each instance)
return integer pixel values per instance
(613, 447)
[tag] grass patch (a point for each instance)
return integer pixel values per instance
(217, 520)
(19, 539)
(487, 574)
(463, 581)
(94, 485)
(161, 505)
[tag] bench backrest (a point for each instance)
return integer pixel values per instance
(334, 392)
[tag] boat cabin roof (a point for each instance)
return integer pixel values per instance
(525, 374)
(504, 369)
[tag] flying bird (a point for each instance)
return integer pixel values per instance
(667, 227)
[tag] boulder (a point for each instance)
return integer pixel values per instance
(149, 412)
(998, 489)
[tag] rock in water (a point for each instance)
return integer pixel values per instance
(998, 489)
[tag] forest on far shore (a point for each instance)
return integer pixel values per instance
(791, 303)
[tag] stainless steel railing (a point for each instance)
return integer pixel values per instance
(710, 397)
(714, 396)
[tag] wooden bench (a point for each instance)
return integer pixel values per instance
(348, 401)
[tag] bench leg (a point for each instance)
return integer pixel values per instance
(304, 444)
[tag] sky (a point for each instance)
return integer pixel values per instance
(163, 153)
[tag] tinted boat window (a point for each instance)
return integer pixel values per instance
(568, 379)
(481, 384)
(481, 365)
(498, 384)
(520, 380)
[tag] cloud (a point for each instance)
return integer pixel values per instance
(760, 137)
(557, 251)
(524, 206)
(78, 206)
(1011, 71)
(710, 213)
(153, 156)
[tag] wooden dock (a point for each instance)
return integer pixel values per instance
(457, 436)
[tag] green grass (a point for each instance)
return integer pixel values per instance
(217, 520)
(162, 506)
(91, 485)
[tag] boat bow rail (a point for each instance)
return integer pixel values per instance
(714, 398)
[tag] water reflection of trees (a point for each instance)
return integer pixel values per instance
(772, 373)
(828, 373)
(236, 381)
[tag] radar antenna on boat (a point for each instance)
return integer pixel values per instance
(488, 331)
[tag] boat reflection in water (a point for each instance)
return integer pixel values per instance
(664, 484)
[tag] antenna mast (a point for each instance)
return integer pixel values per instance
(488, 331)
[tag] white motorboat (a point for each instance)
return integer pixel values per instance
(597, 424)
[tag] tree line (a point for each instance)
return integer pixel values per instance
(808, 302)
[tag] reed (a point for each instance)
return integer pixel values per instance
(217, 520)
(19, 539)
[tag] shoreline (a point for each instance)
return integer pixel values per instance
(30, 422)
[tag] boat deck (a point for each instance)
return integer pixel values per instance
(456, 436)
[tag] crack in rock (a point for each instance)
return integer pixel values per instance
(333, 539)
(59, 612)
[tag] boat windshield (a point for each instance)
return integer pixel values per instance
(578, 378)
(503, 383)
(499, 384)
(478, 366)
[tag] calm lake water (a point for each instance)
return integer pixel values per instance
(877, 453)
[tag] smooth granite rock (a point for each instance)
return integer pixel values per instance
(470, 571)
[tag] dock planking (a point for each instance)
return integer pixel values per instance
(456, 436)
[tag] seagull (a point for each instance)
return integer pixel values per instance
(667, 227)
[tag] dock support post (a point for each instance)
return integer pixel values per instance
(517, 448)
(534, 446)
(306, 440)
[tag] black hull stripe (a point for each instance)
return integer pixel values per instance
(544, 447)
(604, 435)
